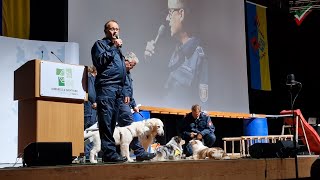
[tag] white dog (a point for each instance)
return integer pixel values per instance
(201, 151)
(124, 135)
(93, 135)
(149, 138)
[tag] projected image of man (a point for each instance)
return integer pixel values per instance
(188, 78)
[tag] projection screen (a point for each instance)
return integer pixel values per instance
(211, 67)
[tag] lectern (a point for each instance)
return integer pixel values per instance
(50, 103)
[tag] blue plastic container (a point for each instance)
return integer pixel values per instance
(138, 117)
(255, 127)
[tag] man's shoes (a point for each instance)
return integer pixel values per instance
(146, 156)
(118, 159)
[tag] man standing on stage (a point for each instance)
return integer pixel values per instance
(110, 81)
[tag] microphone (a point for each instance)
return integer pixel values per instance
(56, 56)
(160, 33)
(42, 55)
(151, 44)
(117, 37)
(291, 80)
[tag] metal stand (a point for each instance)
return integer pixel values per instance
(295, 133)
(291, 82)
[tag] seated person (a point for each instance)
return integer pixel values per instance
(197, 125)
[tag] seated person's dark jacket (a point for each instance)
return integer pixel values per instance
(202, 125)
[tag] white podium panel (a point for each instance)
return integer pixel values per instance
(61, 80)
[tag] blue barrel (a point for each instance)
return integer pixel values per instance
(255, 127)
(142, 115)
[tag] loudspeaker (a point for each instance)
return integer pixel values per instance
(281, 149)
(287, 149)
(263, 150)
(48, 154)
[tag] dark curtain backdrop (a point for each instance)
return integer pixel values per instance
(49, 20)
(293, 49)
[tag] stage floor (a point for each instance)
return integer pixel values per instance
(234, 169)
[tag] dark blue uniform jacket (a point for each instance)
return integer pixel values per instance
(110, 65)
(202, 125)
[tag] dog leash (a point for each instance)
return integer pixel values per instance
(138, 113)
(141, 115)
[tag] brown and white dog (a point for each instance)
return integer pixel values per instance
(171, 151)
(201, 151)
(124, 135)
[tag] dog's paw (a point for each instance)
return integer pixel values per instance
(93, 161)
(93, 156)
(130, 159)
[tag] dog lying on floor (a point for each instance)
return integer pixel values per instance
(171, 151)
(201, 151)
(124, 135)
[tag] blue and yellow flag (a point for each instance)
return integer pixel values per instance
(15, 18)
(258, 46)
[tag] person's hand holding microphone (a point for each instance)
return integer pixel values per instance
(117, 42)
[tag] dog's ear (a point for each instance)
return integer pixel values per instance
(151, 126)
(148, 124)
(192, 142)
(145, 129)
(177, 139)
(195, 141)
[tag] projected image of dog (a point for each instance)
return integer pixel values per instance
(171, 151)
(124, 135)
(201, 151)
